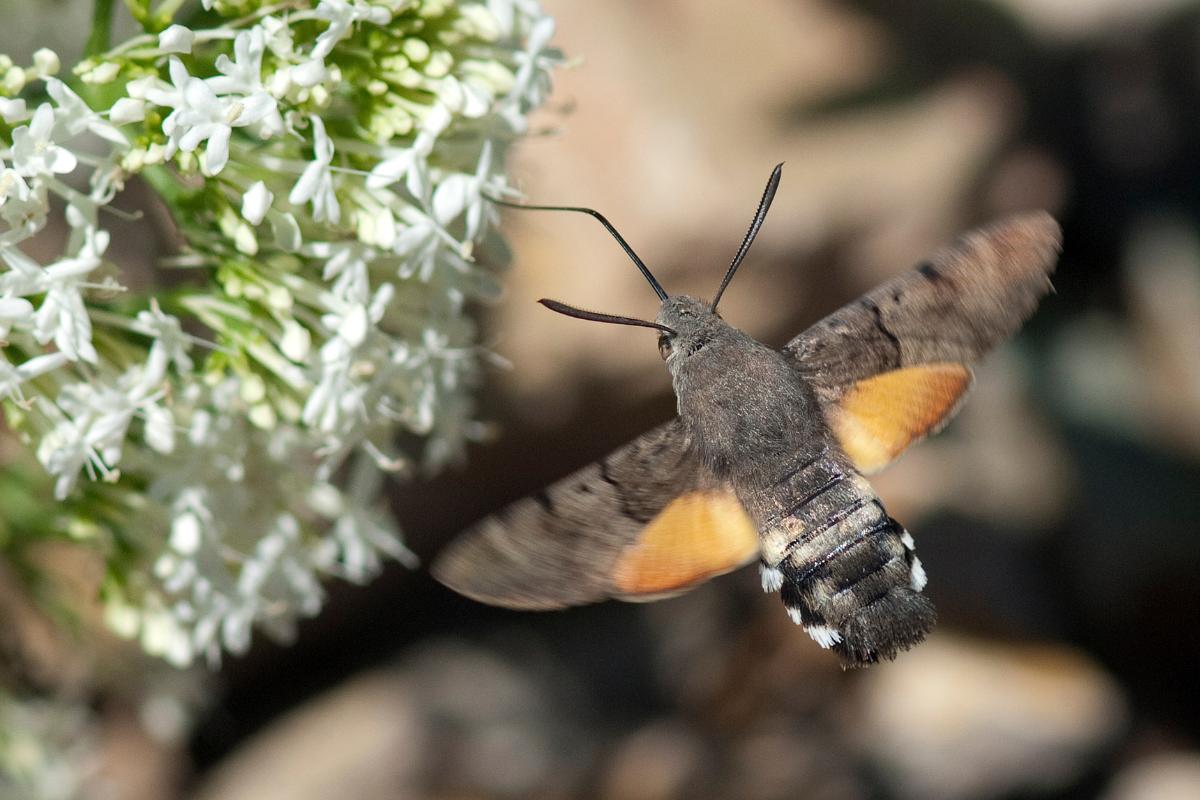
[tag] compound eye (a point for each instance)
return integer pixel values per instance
(664, 346)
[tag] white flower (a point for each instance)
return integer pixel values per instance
(316, 182)
(63, 453)
(277, 35)
(46, 62)
(361, 532)
(464, 97)
(296, 341)
(24, 276)
(341, 15)
(15, 197)
(346, 268)
(170, 345)
(422, 242)
(23, 207)
(102, 73)
(307, 73)
(243, 75)
(186, 533)
(411, 163)
(338, 402)
(12, 377)
(62, 315)
(127, 109)
(171, 95)
(509, 12)
(176, 39)
(162, 635)
(460, 193)
(337, 395)
(34, 151)
(256, 202)
(14, 310)
(393, 168)
(75, 116)
(142, 88)
(13, 109)
(92, 422)
(286, 230)
(252, 475)
(376, 224)
(531, 83)
(159, 432)
(199, 115)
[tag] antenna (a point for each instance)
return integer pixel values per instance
(760, 216)
(658, 290)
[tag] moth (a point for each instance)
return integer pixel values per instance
(767, 457)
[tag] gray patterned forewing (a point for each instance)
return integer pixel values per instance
(954, 307)
(558, 547)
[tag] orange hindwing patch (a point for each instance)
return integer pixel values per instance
(877, 418)
(697, 536)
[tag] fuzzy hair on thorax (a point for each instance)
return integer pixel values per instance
(746, 409)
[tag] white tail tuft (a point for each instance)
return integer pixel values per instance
(824, 635)
(772, 578)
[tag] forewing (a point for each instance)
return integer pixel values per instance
(893, 365)
(647, 521)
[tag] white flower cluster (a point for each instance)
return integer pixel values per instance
(327, 163)
(47, 748)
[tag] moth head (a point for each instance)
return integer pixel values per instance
(692, 324)
(684, 324)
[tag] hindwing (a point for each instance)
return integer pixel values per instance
(647, 521)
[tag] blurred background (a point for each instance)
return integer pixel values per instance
(1057, 516)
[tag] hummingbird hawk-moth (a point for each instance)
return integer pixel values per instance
(767, 456)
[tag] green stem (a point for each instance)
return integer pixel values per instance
(97, 43)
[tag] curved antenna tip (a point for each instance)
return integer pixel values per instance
(760, 215)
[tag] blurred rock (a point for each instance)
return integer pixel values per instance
(1168, 776)
(727, 654)
(776, 757)
(34, 650)
(1077, 18)
(662, 761)
(361, 740)
(1163, 283)
(455, 721)
(451, 721)
(1142, 377)
(780, 760)
(956, 718)
(133, 764)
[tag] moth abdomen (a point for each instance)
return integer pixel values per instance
(873, 589)
(845, 570)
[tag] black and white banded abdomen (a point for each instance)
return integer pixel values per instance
(845, 570)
